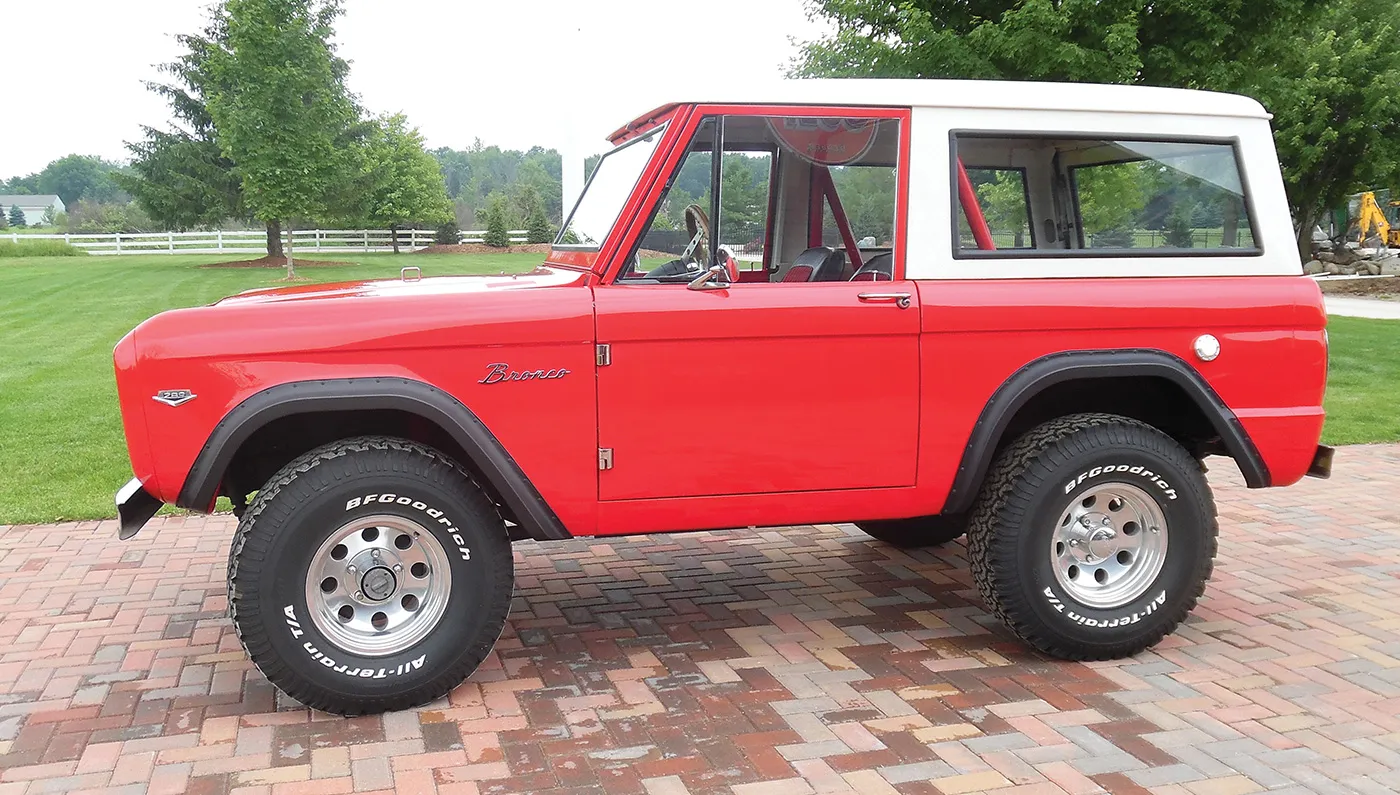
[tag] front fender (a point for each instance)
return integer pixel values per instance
(202, 484)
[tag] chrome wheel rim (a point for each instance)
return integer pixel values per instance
(378, 585)
(1109, 545)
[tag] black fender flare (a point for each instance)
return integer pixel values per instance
(201, 485)
(1056, 368)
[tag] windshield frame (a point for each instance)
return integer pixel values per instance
(659, 132)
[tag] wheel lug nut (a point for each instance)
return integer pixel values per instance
(398, 567)
(359, 595)
(350, 569)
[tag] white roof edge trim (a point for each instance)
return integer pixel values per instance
(986, 95)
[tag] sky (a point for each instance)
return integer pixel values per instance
(557, 73)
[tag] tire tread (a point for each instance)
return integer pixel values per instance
(1005, 498)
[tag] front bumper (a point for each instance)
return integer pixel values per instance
(135, 507)
(1322, 462)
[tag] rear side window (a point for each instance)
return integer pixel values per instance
(1097, 196)
(1006, 204)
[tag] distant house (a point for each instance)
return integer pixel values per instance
(33, 207)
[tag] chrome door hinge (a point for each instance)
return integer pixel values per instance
(604, 351)
(605, 458)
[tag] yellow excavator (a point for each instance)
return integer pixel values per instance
(1376, 224)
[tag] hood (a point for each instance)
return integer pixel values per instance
(438, 285)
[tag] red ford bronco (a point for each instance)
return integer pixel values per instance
(1021, 313)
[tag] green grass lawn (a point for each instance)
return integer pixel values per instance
(62, 454)
(1363, 387)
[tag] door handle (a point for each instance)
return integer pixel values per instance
(900, 299)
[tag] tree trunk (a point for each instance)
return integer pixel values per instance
(1230, 226)
(274, 239)
(394, 236)
(291, 267)
(1305, 230)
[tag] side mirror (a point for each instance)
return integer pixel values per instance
(716, 278)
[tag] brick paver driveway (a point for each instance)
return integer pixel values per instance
(812, 659)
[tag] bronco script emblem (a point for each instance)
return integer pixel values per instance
(500, 372)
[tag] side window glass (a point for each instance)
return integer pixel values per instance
(800, 199)
(675, 246)
(1172, 196)
(1005, 203)
(743, 206)
(1103, 196)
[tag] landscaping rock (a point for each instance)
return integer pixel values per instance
(1326, 256)
(1333, 268)
(1390, 267)
(1371, 268)
(1352, 245)
(1313, 267)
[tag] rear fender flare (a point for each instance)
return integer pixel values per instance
(1030, 380)
(202, 483)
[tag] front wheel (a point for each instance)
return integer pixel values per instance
(1093, 536)
(370, 575)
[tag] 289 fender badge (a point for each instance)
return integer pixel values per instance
(174, 397)
(501, 372)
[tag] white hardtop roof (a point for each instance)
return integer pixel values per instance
(987, 94)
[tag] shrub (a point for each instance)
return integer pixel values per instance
(39, 248)
(1178, 232)
(538, 229)
(497, 222)
(448, 234)
(1121, 237)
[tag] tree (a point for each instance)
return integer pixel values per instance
(1335, 96)
(498, 220)
(23, 186)
(4, 219)
(17, 217)
(281, 109)
(404, 183)
(1189, 43)
(531, 208)
(78, 177)
(180, 176)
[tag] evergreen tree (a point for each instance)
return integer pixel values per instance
(17, 217)
(538, 228)
(497, 222)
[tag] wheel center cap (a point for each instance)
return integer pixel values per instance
(378, 584)
(1100, 542)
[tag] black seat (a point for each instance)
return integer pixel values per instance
(880, 268)
(817, 264)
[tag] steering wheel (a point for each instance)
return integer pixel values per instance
(697, 226)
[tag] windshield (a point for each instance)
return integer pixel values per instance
(608, 187)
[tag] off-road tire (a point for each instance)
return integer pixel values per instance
(1040, 475)
(295, 513)
(921, 531)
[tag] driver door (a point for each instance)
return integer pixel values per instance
(756, 387)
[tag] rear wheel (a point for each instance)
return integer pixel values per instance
(370, 575)
(921, 531)
(1093, 536)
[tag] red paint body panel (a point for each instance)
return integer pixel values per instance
(755, 389)
(977, 333)
(445, 332)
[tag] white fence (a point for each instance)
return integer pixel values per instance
(305, 241)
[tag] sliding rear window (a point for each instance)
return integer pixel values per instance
(1051, 195)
